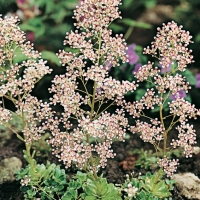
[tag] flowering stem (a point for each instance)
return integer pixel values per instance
(93, 100)
(165, 132)
(104, 110)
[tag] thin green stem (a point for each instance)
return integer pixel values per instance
(128, 32)
(165, 132)
(97, 115)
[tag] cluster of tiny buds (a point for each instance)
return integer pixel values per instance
(25, 181)
(12, 39)
(96, 14)
(131, 190)
(171, 45)
(168, 165)
(5, 115)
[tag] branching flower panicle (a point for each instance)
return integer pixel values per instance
(18, 79)
(89, 144)
(170, 48)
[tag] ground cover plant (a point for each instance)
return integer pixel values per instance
(93, 109)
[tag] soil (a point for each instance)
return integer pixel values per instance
(116, 169)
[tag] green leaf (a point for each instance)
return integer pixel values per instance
(51, 56)
(197, 38)
(189, 77)
(90, 198)
(116, 27)
(35, 25)
(133, 23)
(140, 93)
(127, 3)
(27, 27)
(19, 56)
(70, 194)
(70, 4)
(81, 176)
(24, 188)
(59, 16)
(188, 98)
(90, 190)
(150, 3)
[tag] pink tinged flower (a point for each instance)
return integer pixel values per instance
(131, 190)
(171, 43)
(145, 71)
(180, 94)
(198, 81)
(169, 166)
(5, 115)
(132, 56)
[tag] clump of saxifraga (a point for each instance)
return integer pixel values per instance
(88, 145)
(170, 48)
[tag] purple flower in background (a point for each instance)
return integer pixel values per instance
(137, 67)
(180, 94)
(107, 65)
(163, 70)
(30, 36)
(21, 1)
(132, 56)
(198, 81)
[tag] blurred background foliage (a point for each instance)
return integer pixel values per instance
(47, 21)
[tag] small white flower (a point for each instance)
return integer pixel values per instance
(131, 190)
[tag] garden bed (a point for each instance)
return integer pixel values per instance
(114, 172)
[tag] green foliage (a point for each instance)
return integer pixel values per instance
(189, 77)
(46, 181)
(100, 190)
(126, 4)
(5, 134)
(5, 5)
(52, 15)
(151, 186)
(146, 160)
(41, 147)
(6, 129)
(56, 11)
(82, 186)
(49, 182)
(133, 23)
(51, 56)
